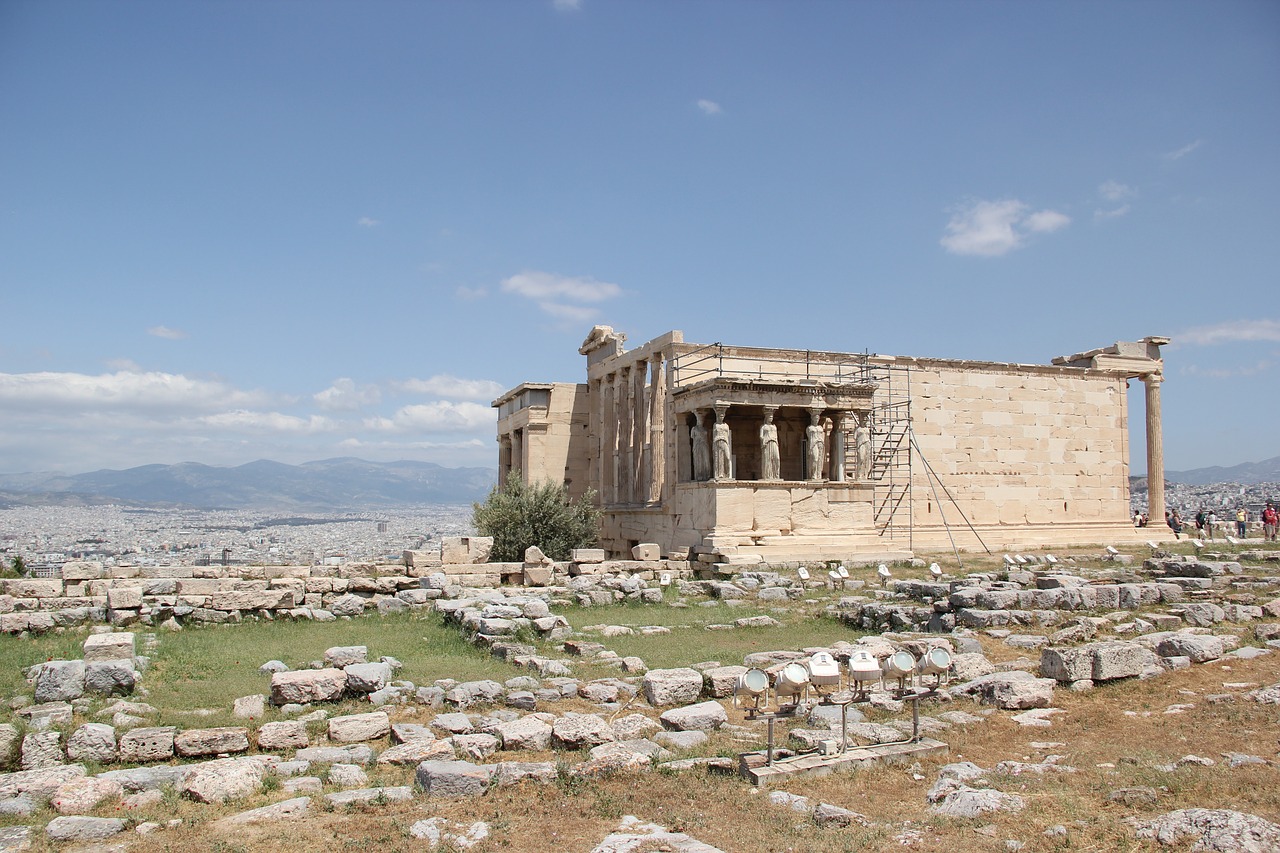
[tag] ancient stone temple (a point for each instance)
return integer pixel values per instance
(803, 455)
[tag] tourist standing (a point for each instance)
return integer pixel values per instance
(1270, 518)
(1242, 522)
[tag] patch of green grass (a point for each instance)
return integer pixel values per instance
(209, 666)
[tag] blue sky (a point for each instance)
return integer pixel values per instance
(240, 230)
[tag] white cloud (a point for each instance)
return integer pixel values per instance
(438, 416)
(443, 385)
(710, 108)
(1183, 151)
(122, 390)
(470, 293)
(574, 313)
(567, 5)
(166, 333)
(248, 421)
(1116, 191)
(544, 285)
(1047, 221)
(367, 222)
(1260, 367)
(1111, 214)
(345, 396)
(1231, 332)
(994, 228)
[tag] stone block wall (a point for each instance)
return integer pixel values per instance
(1030, 453)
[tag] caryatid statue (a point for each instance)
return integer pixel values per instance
(701, 451)
(817, 441)
(721, 447)
(862, 449)
(770, 458)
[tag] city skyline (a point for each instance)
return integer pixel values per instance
(244, 231)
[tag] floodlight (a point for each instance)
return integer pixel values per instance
(884, 574)
(1231, 540)
(1154, 546)
(803, 573)
(754, 684)
(1020, 560)
(935, 570)
(844, 573)
(664, 579)
(834, 575)
(1008, 561)
(1112, 551)
(863, 666)
(899, 665)
(791, 681)
(1050, 559)
(1197, 543)
(935, 661)
(824, 672)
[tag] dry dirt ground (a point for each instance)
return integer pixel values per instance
(1116, 736)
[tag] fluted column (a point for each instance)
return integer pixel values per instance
(1155, 450)
(657, 429)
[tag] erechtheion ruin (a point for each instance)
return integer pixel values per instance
(802, 455)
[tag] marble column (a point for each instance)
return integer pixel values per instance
(837, 447)
(504, 459)
(626, 408)
(1155, 450)
(657, 429)
(639, 427)
(517, 451)
(608, 442)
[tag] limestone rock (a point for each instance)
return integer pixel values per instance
(364, 796)
(1016, 690)
(640, 749)
(704, 716)
(286, 810)
(354, 728)
(453, 778)
(110, 677)
(103, 647)
(60, 681)
(39, 784)
(367, 677)
(149, 743)
(417, 751)
(973, 802)
(193, 743)
(93, 742)
(250, 707)
(41, 750)
(223, 779)
(1199, 648)
(283, 734)
(680, 686)
(78, 796)
(347, 776)
(578, 731)
(1213, 830)
(356, 754)
(475, 747)
(308, 685)
(525, 733)
(84, 828)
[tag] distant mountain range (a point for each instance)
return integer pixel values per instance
(330, 484)
(1246, 474)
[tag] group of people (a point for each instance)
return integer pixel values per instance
(1206, 520)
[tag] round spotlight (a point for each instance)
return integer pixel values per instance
(753, 682)
(791, 680)
(899, 665)
(934, 662)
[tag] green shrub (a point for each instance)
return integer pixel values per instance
(518, 515)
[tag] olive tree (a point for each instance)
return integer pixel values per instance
(518, 514)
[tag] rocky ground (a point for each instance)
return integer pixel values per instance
(1093, 703)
